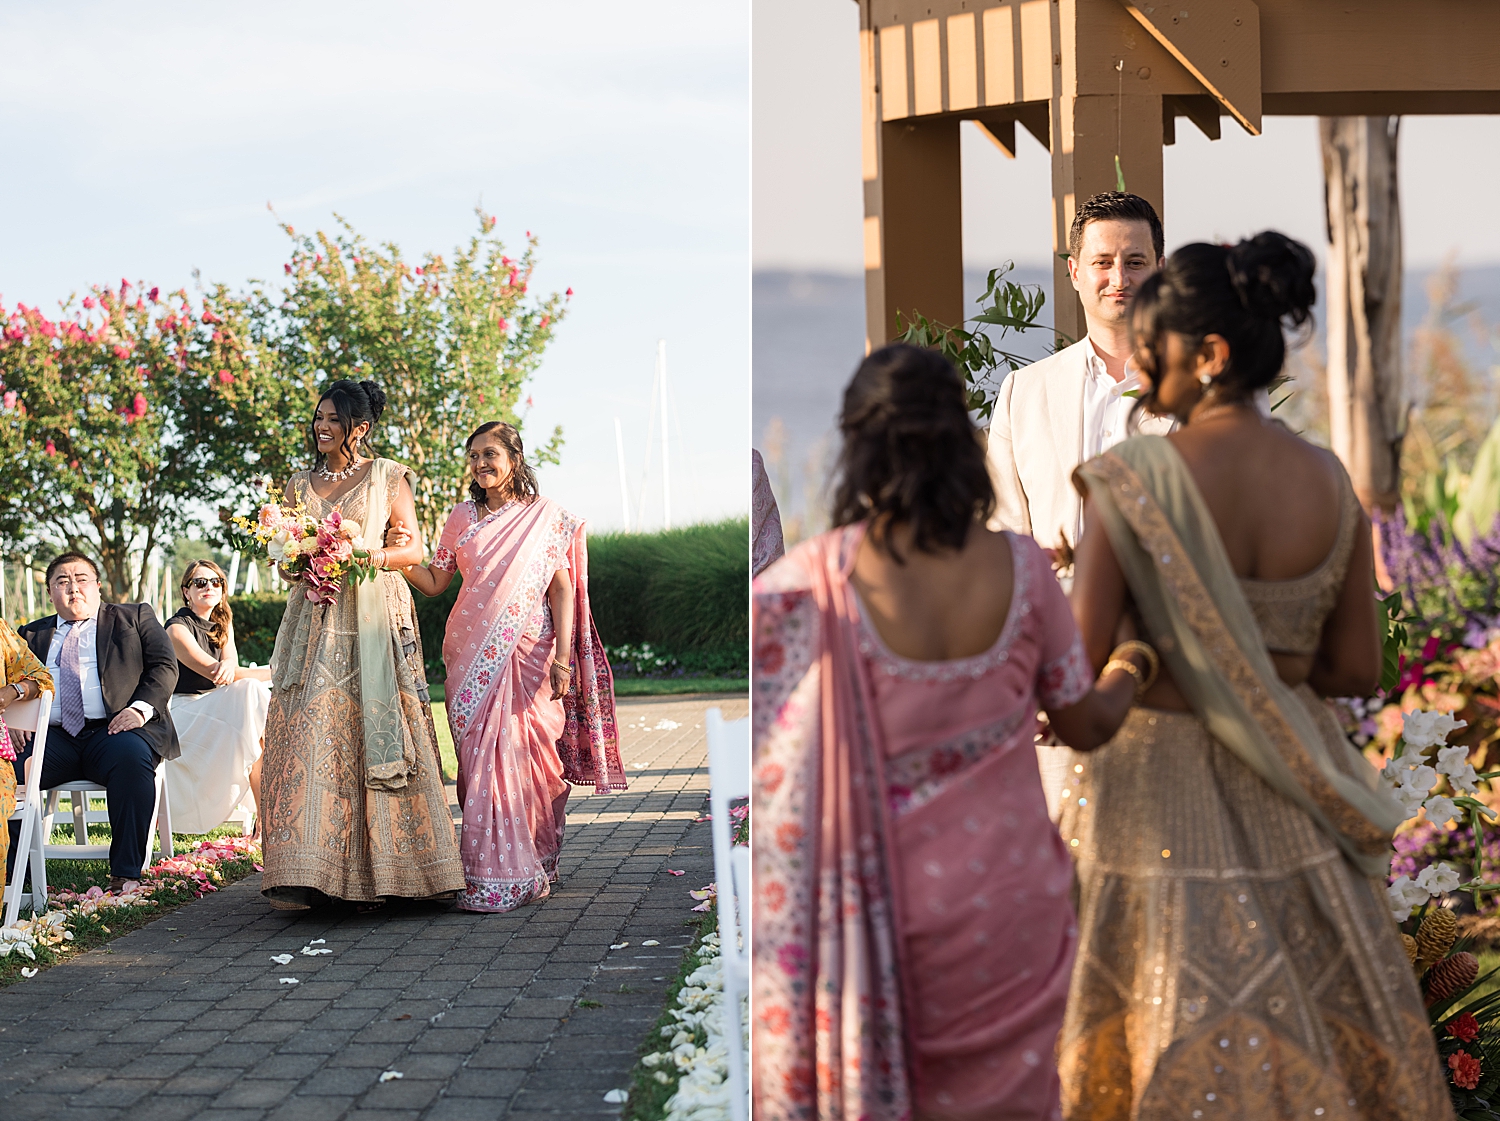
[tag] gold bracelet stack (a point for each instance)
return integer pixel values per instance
(1119, 658)
(566, 669)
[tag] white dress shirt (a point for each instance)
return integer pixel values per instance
(1106, 408)
(88, 671)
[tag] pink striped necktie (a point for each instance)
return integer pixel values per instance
(70, 682)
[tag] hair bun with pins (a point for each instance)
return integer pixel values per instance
(376, 396)
(1273, 277)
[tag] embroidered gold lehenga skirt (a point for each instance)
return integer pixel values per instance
(1231, 962)
(326, 833)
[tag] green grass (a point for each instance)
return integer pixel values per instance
(445, 740)
(673, 686)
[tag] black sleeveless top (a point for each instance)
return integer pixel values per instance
(189, 680)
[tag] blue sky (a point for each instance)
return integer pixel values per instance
(145, 141)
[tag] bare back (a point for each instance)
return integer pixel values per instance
(937, 606)
(1278, 503)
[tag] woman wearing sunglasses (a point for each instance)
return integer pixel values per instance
(219, 708)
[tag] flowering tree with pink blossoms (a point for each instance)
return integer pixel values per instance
(451, 341)
(93, 457)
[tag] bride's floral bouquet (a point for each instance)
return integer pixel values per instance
(321, 553)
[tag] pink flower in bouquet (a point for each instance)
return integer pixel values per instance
(340, 549)
(269, 516)
(325, 567)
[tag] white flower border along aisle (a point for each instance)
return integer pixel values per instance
(695, 1060)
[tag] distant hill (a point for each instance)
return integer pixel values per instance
(809, 334)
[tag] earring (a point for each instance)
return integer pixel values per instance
(1205, 380)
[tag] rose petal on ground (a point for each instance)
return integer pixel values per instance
(615, 1097)
(391, 1075)
(650, 942)
(29, 973)
(619, 945)
(282, 959)
(290, 981)
(675, 872)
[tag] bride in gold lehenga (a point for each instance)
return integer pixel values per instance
(1236, 955)
(351, 788)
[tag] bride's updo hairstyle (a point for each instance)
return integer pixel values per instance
(357, 402)
(1244, 292)
(911, 454)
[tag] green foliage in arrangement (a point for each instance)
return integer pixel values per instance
(1005, 304)
(670, 604)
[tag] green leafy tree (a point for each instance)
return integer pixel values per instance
(95, 461)
(452, 341)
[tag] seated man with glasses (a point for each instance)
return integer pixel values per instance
(115, 670)
(219, 707)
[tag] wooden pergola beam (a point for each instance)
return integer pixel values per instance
(1104, 78)
(1217, 42)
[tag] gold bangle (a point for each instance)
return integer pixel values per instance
(1130, 668)
(566, 669)
(1144, 649)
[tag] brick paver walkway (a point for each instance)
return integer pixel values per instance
(484, 1015)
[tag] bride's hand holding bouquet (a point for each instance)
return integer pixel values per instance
(321, 554)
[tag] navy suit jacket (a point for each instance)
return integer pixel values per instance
(137, 662)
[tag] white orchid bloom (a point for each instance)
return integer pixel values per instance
(1441, 809)
(1438, 878)
(276, 547)
(1404, 896)
(1410, 798)
(1422, 730)
(1451, 760)
(1466, 779)
(1422, 778)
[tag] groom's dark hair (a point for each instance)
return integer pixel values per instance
(1120, 207)
(911, 454)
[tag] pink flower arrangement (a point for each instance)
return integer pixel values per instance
(321, 553)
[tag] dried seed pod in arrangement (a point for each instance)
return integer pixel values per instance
(1451, 975)
(1409, 944)
(1435, 938)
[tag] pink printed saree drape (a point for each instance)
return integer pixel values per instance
(912, 931)
(518, 750)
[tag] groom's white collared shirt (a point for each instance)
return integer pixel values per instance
(1049, 417)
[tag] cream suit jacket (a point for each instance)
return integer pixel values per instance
(1035, 442)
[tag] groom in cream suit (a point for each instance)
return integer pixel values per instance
(1057, 413)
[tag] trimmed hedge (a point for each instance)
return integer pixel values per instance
(683, 591)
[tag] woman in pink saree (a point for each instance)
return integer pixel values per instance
(530, 697)
(913, 935)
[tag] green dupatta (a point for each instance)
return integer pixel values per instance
(390, 755)
(1200, 622)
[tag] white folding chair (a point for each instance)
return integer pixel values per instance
(34, 845)
(28, 716)
(729, 779)
(79, 796)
